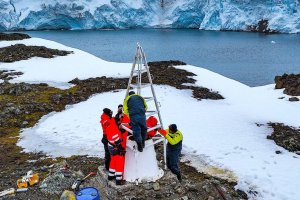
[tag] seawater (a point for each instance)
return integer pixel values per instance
(251, 58)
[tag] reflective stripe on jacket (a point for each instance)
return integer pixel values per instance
(113, 133)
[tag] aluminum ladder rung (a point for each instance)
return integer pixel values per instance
(154, 127)
(142, 85)
(151, 112)
(148, 98)
(148, 130)
(139, 71)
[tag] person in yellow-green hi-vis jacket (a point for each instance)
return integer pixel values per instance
(135, 107)
(174, 146)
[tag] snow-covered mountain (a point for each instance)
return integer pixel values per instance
(256, 15)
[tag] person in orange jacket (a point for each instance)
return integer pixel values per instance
(117, 152)
(122, 119)
(105, 121)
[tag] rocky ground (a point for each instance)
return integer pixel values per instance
(290, 83)
(286, 137)
(22, 52)
(13, 36)
(6, 75)
(163, 72)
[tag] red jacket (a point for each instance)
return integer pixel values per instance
(124, 120)
(104, 121)
(151, 122)
(113, 133)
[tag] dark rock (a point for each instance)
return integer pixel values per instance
(43, 84)
(13, 36)
(22, 52)
(291, 83)
(24, 124)
(56, 98)
(56, 182)
(75, 81)
(285, 136)
(8, 75)
(278, 152)
(294, 99)
(262, 26)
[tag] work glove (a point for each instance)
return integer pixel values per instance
(122, 152)
(118, 145)
(131, 138)
(163, 132)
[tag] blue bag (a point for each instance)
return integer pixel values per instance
(88, 193)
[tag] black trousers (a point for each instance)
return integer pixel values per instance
(173, 160)
(107, 155)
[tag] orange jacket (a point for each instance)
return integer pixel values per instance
(124, 120)
(104, 121)
(113, 133)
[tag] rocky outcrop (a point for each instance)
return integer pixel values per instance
(286, 137)
(13, 36)
(290, 83)
(294, 99)
(6, 75)
(261, 27)
(163, 72)
(22, 52)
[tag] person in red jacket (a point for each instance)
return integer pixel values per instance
(117, 152)
(122, 119)
(105, 121)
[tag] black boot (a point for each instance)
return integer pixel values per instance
(179, 177)
(110, 178)
(107, 162)
(140, 147)
(120, 182)
(143, 144)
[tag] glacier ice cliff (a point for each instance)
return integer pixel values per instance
(235, 15)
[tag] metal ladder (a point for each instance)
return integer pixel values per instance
(139, 67)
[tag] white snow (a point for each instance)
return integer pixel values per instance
(221, 132)
(62, 69)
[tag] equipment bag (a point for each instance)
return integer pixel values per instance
(88, 193)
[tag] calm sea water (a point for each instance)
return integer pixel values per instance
(251, 58)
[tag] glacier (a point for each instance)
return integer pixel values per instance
(282, 16)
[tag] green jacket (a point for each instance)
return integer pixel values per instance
(134, 104)
(174, 138)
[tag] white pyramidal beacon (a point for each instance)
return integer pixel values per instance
(141, 166)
